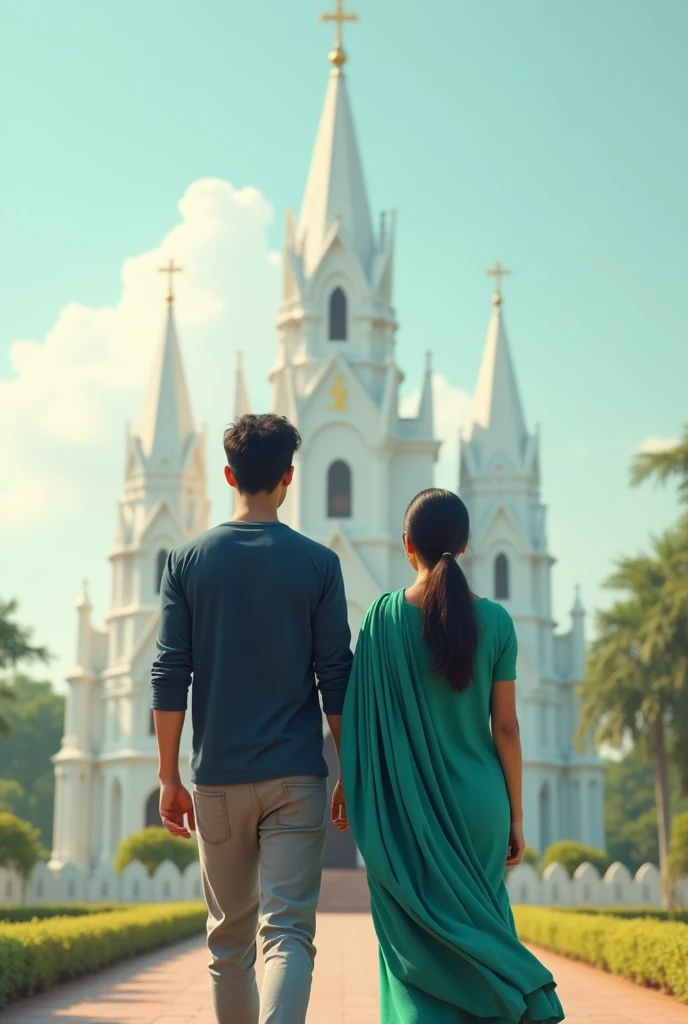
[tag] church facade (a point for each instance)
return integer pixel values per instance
(336, 377)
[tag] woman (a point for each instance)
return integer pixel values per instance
(434, 792)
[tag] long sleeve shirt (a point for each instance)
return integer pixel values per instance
(256, 614)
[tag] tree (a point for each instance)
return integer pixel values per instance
(35, 717)
(678, 850)
(531, 856)
(152, 846)
(15, 647)
(571, 855)
(669, 464)
(630, 813)
(637, 680)
(20, 846)
(12, 795)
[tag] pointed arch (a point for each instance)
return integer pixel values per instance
(501, 577)
(151, 813)
(115, 815)
(545, 801)
(338, 316)
(339, 503)
(160, 563)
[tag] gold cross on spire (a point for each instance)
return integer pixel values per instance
(338, 54)
(171, 269)
(498, 272)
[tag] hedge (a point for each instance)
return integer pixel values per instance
(35, 955)
(654, 953)
(44, 910)
(658, 913)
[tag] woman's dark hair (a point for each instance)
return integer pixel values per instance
(260, 450)
(436, 523)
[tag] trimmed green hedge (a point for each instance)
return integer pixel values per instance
(35, 955)
(658, 913)
(654, 953)
(42, 911)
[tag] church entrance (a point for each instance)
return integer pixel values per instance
(340, 851)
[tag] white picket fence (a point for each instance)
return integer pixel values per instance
(169, 884)
(617, 887)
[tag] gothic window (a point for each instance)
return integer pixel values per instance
(501, 578)
(339, 491)
(152, 812)
(338, 316)
(159, 569)
(115, 815)
(545, 817)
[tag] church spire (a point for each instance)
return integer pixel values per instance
(335, 192)
(498, 420)
(166, 422)
(242, 406)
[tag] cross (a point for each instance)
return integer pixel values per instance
(498, 272)
(338, 55)
(170, 270)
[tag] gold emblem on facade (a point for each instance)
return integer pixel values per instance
(338, 394)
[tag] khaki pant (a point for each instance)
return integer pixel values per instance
(261, 847)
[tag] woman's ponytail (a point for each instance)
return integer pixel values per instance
(437, 524)
(449, 626)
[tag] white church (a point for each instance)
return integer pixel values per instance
(336, 377)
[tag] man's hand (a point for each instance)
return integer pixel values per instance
(517, 844)
(340, 815)
(175, 802)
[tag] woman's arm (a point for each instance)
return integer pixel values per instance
(507, 738)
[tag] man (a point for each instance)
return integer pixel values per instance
(257, 613)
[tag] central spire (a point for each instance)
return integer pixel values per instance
(338, 54)
(336, 196)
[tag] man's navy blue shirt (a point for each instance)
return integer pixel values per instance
(256, 613)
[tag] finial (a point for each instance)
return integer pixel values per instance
(428, 361)
(338, 54)
(171, 269)
(82, 600)
(239, 360)
(498, 272)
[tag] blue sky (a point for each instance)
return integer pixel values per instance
(546, 135)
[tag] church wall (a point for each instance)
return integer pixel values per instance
(410, 472)
(329, 443)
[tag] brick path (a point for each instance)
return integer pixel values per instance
(170, 986)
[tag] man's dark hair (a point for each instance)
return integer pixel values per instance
(260, 450)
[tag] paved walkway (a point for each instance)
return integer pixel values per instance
(170, 986)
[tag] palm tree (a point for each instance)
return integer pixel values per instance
(637, 680)
(15, 647)
(671, 463)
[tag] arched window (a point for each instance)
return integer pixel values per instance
(338, 324)
(115, 815)
(546, 838)
(160, 563)
(152, 811)
(501, 578)
(339, 491)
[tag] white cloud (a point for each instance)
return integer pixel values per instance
(653, 445)
(62, 413)
(453, 408)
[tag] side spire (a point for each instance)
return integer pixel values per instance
(166, 422)
(498, 420)
(242, 406)
(426, 413)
